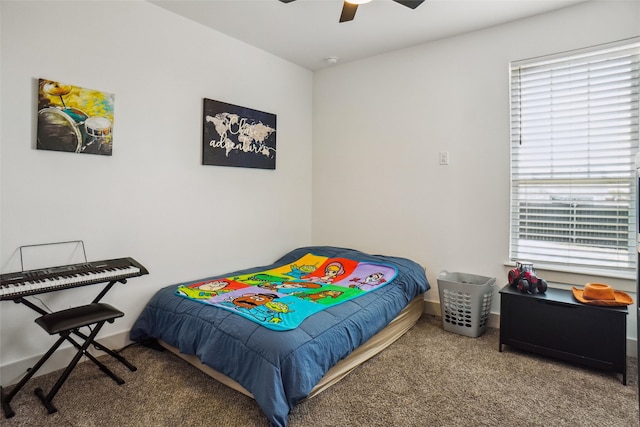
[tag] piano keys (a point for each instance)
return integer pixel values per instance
(31, 282)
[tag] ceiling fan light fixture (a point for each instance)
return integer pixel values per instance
(349, 7)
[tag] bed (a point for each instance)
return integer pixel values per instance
(279, 369)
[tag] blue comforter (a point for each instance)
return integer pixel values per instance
(280, 368)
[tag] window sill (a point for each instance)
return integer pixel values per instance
(564, 278)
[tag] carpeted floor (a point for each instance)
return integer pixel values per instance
(428, 377)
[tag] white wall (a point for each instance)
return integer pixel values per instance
(152, 200)
(380, 123)
(377, 185)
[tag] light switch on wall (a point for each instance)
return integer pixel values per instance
(444, 157)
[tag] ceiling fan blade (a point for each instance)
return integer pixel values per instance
(348, 11)
(409, 3)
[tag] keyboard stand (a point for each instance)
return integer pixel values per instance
(65, 323)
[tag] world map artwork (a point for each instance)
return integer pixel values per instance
(238, 136)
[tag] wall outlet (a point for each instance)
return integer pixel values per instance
(444, 158)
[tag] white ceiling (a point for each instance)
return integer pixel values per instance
(307, 32)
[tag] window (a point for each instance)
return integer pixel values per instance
(574, 136)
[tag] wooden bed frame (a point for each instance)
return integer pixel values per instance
(404, 321)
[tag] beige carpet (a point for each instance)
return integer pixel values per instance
(429, 377)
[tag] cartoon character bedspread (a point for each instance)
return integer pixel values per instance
(281, 298)
(280, 368)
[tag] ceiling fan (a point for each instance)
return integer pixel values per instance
(350, 6)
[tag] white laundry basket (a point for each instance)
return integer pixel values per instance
(465, 301)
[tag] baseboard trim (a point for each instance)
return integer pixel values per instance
(433, 308)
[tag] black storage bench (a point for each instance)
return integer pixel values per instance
(555, 324)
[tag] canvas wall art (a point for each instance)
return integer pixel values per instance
(74, 119)
(238, 136)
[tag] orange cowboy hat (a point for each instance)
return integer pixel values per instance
(600, 294)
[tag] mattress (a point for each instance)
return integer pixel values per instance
(405, 320)
(279, 368)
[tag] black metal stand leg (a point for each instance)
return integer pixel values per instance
(110, 352)
(99, 364)
(6, 408)
(6, 398)
(46, 400)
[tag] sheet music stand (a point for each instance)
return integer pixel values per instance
(22, 250)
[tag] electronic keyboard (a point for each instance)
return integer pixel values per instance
(32, 282)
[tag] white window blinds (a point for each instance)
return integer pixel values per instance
(574, 136)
